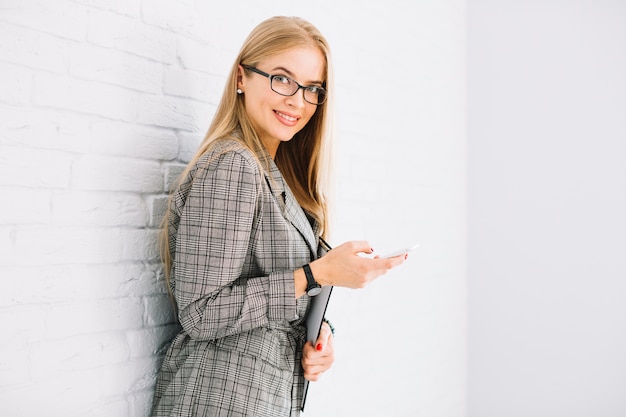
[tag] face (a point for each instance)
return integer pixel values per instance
(278, 118)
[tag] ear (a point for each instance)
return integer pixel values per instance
(240, 78)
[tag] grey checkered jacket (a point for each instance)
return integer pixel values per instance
(237, 234)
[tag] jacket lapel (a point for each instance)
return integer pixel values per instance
(289, 205)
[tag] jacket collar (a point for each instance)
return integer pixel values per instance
(289, 205)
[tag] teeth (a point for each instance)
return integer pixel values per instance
(291, 119)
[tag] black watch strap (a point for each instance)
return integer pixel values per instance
(312, 287)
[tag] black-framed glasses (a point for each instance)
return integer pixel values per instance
(286, 86)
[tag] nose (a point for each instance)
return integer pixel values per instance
(297, 100)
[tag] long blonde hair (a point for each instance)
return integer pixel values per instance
(305, 160)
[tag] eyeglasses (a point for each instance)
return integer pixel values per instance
(285, 86)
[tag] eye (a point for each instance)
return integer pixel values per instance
(313, 89)
(282, 79)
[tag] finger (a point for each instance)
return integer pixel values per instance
(308, 353)
(311, 370)
(313, 357)
(313, 377)
(323, 338)
(315, 371)
(388, 263)
(361, 246)
(398, 260)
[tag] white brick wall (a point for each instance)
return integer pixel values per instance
(101, 104)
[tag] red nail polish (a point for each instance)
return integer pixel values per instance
(318, 347)
(406, 256)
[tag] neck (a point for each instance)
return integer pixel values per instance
(271, 148)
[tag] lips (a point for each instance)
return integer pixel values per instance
(287, 119)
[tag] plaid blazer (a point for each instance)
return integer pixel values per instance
(236, 234)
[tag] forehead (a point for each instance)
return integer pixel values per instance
(305, 64)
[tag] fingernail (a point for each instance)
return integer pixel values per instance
(318, 347)
(406, 256)
(371, 250)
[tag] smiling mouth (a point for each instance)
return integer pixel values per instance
(288, 118)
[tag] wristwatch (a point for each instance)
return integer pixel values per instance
(312, 286)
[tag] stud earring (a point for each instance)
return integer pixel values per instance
(239, 91)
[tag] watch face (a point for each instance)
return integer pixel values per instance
(314, 291)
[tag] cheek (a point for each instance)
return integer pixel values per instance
(309, 115)
(256, 104)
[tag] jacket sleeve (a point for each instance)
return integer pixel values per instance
(215, 297)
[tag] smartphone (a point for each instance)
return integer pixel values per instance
(400, 251)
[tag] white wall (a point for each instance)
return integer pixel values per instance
(101, 104)
(547, 204)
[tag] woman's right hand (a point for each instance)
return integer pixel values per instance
(343, 267)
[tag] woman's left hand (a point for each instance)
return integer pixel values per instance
(319, 358)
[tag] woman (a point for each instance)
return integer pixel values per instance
(245, 237)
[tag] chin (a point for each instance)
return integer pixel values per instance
(286, 137)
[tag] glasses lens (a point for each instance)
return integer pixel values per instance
(288, 87)
(284, 85)
(315, 95)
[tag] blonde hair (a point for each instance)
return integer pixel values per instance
(305, 160)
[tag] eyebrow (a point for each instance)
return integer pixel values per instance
(292, 75)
